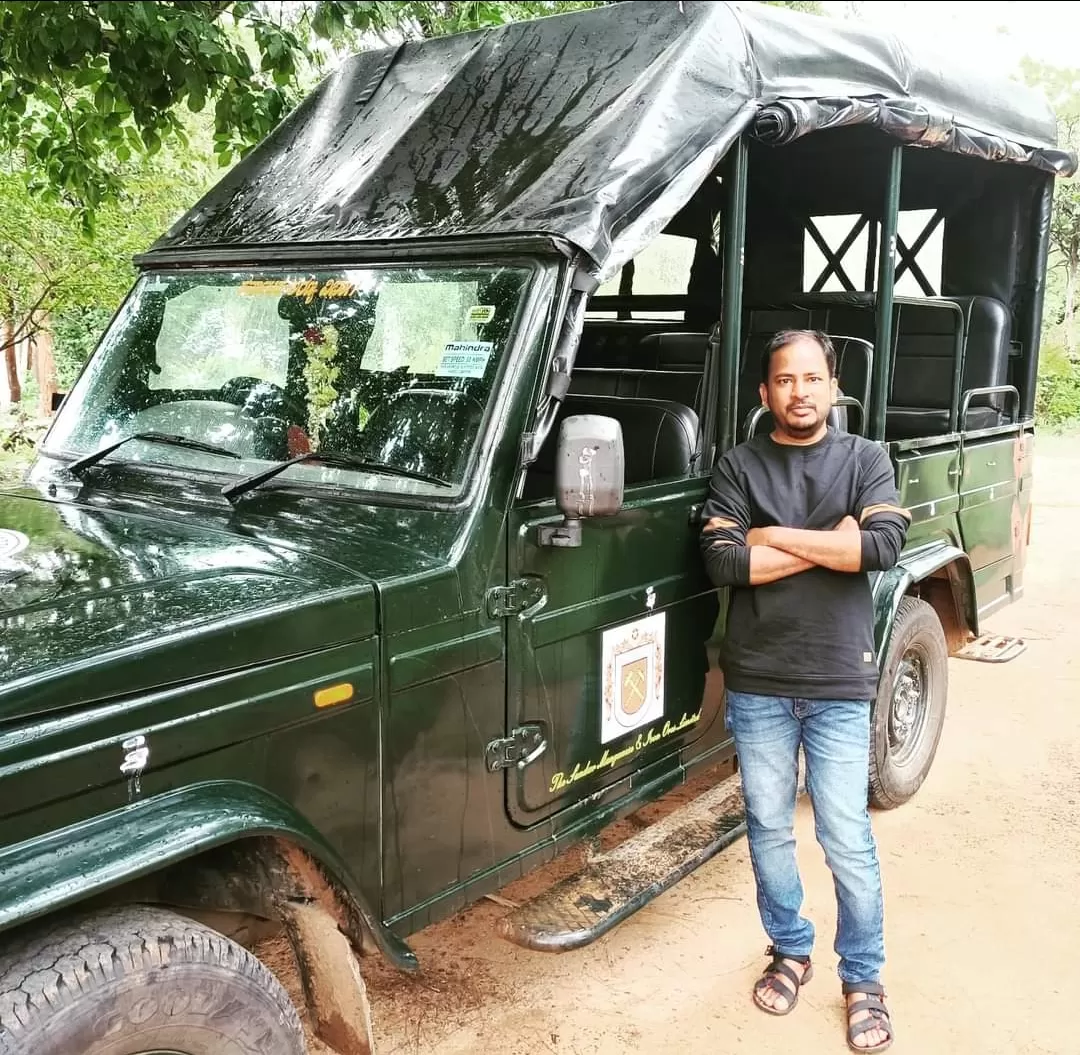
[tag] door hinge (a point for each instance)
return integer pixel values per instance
(524, 745)
(514, 597)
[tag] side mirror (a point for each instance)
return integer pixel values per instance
(589, 476)
(57, 399)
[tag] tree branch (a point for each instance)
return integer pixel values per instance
(28, 328)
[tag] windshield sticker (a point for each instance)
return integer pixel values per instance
(464, 359)
(632, 677)
(306, 291)
(481, 313)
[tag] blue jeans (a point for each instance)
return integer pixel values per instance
(835, 736)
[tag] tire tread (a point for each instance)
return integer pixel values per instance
(52, 968)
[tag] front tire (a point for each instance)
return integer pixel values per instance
(909, 711)
(137, 980)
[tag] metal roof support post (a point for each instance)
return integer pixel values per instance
(734, 243)
(1030, 321)
(886, 279)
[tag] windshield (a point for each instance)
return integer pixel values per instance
(391, 366)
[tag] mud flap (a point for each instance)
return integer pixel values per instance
(993, 648)
(614, 885)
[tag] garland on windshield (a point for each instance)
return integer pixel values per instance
(320, 374)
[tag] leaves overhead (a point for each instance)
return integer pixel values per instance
(83, 86)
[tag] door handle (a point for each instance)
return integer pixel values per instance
(695, 513)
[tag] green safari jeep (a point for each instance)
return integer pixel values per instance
(358, 573)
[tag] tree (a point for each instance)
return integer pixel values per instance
(50, 264)
(1062, 90)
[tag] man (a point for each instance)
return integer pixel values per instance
(794, 521)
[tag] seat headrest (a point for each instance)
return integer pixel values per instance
(674, 351)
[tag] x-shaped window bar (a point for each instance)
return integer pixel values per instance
(907, 256)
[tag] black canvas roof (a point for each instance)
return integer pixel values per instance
(594, 127)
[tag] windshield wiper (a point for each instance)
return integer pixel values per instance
(81, 464)
(339, 461)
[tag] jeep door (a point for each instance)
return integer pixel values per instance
(610, 644)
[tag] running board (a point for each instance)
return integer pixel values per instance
(993, 648)
(615, 884)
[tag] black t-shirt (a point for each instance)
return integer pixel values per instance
(811, 634)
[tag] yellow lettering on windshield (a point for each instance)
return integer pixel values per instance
(306, 289)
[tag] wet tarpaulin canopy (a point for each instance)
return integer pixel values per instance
(594, 127)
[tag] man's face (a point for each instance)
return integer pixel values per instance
(799, 392)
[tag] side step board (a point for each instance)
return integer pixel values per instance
(993, 648)
(614, 885)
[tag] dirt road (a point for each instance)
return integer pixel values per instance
(981, 871)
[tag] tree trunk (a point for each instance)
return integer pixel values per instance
(7, 343)
(44, 369)
(1071, 272)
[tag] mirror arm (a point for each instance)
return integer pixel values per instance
(562, 362)
(566, 535)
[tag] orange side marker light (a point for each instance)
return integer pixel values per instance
(333, 695)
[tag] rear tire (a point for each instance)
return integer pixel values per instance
(909, 711)
(137, 980)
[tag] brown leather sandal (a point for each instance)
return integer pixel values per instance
(878, 1017)
(771, 979)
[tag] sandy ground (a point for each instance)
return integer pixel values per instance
(981, 870)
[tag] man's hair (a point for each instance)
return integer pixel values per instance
(786, 337)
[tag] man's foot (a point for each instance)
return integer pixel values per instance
(777, 990)
(869, 1026)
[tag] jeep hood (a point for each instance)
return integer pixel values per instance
(97, 603)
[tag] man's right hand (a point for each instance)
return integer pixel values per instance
(849, 523)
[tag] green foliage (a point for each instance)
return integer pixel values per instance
(19, 434)
(1057, 400)
(1062, 90)
(76, 333)
(85, 86)
(52, 266)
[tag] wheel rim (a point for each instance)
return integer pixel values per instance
(909, 705)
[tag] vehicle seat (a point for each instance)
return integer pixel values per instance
(660, 440)
(922, 370)
(677, 386)
(668, 367)
(674, 351)
(426, 430)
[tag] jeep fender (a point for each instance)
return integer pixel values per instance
(72, 864)
(942, 574)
